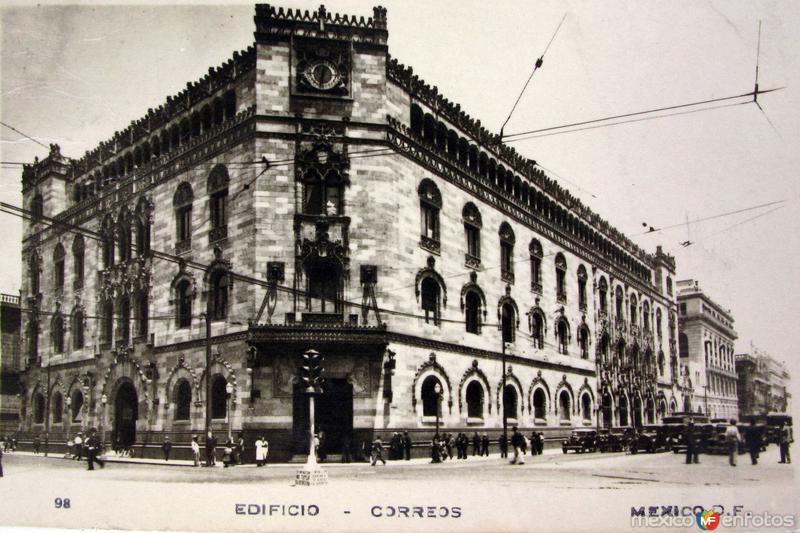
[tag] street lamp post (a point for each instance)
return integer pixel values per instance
(438, 390)
(207, 317)
(229, 393)
(503, 395)
(104, 402)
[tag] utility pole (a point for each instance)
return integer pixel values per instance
(503, 352)
(47, 413)
(207, 317)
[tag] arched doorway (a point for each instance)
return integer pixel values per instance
(333, 416)
(623, 411)
(608, 414)
(637, 412)
(126, 412)
(650, 411)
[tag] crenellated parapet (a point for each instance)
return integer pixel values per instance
(217, 79)
(54, 164)
(492, 143)
(272, 23)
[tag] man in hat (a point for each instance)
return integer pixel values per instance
(517, 442)
(77, 445)
(690, 437)
(166, 448)
(93, 450)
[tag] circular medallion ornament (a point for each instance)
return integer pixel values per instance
(322, 75)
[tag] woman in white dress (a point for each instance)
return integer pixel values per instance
(262, 449)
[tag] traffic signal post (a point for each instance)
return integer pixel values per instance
(310, 374)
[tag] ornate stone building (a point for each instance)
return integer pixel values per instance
(763, 384)
(312, 192)
(706, 348)
(9, 363)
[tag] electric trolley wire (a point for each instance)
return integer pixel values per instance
(728, 228)
(711, 217)
(508, 137)
(12, 128)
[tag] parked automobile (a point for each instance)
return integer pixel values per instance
(773, 430)
(675, 430)
(582, 440)
(716, 443)
(652, 438)
(611, 440)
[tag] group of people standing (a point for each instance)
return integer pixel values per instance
(753, 440)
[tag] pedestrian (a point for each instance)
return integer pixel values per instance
(377, 451)
(407, 444)
(14, 442)
(448, 443)
(1, 458)
(320, 443)
(93, 450)
(525, 444)
(517, 442)
(485, 445)
(540, 443)
(503, 446)
(732, 438)
(534, 440)
(476, 444)
(366, 450)
(316, 443)
(195, 451)
(262, 447)
(228, 453)
(690, 437)
(240, 449)
(37, 443)
(784, 440)
(436, 450)
(752, 439)
(166, 448)
(211, 445)
(78, 446)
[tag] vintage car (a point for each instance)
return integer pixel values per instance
(773, 429)
(611, 440)
(716, 443)
(651, 438)
(675, 430)
(581, 440)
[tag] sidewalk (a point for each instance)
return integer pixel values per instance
(112, 458)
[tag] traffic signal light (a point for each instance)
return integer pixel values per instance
(311, 370)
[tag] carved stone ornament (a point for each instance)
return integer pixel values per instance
(322, 67)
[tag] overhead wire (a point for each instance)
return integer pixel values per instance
(12, 128)
(710, 217)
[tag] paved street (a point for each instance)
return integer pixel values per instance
(546, 486)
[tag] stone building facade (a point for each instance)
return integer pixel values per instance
(314, 193)
(763, 384)
(706, 345)
(10, 363)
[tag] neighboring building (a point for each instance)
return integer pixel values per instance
(706, 343)
(763, 384)
(9, 363)
(390, 232)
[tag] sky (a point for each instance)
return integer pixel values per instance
(73, 75)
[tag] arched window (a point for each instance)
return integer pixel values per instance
(430, 202)
(535, 249)
(561, 278)
(582, 277)
(78, 250)
(586, 407)
(183, 297)
(125, 319)
(537, 328)
(108, 321)
(507, 240)
(219, 294)
(602, 294)
(323, 183)
(508, 320)
(230, 104)
(472, 229)
(669, 285)
(472, 312)
(58, 267)
(431, 296)
(658, 323)
(564, 405)
(583, 341)
(510, 401)
(57, 328)
(124, 236)
(623, 411)
(539, 404)
(646, 316)
(183, 400)
(142, 314)
(38, 408)
(77, 330)
(633, 314)
(77, 405)
(217, 186)
(619, 304)
(58, 408)
(683, 345)
(37, 207)
(33, 341)
(33, 273)
(416, 120)
(218, 397)
(562, 334)
(661, 363)
(142, 235)
(182, 202)
(430, 399)
(474, 400)
(108, 242)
